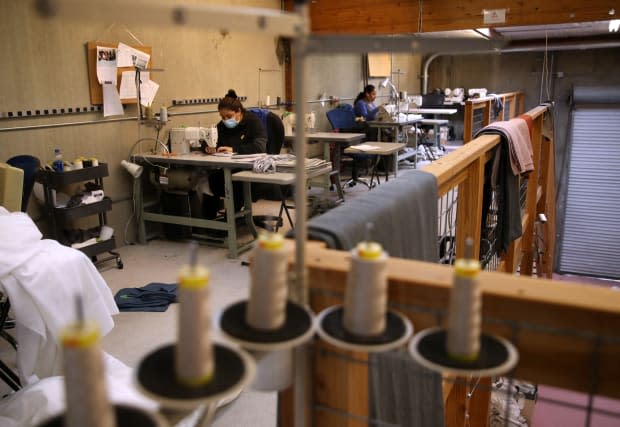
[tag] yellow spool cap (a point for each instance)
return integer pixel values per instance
(193, 277)
(271, 241)
(369, 250)
(196, 382)
(466, 267)
(80, 335)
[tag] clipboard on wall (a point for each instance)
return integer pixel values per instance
(96, 93)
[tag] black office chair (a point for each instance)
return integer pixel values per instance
(275, 139)
(342, 119)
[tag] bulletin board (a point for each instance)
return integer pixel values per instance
(379, 64)
(96, 93)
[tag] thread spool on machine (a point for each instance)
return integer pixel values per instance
(365, 323)
(207, 372)
(461, 348)
(268, 324)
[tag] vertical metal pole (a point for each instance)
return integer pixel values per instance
(301, 207)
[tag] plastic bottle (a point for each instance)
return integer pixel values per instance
(58, 164)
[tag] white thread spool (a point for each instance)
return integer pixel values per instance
(85, 391)
(267, 101)
(266, 308)
(464, 315)
(365, 301)
(163, 114)
(194, 362)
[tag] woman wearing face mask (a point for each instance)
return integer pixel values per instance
(239, 132)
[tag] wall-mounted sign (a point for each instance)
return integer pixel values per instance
(494, 16)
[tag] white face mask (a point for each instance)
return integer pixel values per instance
(230, 123)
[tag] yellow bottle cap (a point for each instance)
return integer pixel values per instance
(466, 267)
(193, 277)
(369, 250)
(272, 241)
(80, 335)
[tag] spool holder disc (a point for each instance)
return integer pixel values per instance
(156, 377)
(297, 328)
(330, 327)
(126, 416)
(497, 356)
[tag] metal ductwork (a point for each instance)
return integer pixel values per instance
(524, 47)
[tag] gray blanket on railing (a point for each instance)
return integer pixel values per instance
(403, 212)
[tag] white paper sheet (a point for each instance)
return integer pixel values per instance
(106, 64)
(148, 90)
(130, 57)
(111, 101)
(128, 85)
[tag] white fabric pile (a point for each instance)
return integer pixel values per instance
(42, 279)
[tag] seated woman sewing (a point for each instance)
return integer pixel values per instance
(239, 132)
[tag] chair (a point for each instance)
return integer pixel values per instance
(11, 187)
(342, 119)
(30, 165)
(275, 139)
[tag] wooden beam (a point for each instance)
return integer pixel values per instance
(575, 326)
(397, 17)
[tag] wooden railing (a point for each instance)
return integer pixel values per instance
(464, 168)
(480, 112)
(575, 326)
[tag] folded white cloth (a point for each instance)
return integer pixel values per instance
(42, 279)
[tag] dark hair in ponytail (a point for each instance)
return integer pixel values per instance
(231, 102)
(367, 91)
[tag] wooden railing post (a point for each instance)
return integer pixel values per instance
(546, 205)
(527, 260)
(468, 224)
(468, 120)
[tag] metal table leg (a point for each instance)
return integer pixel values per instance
(229, 206)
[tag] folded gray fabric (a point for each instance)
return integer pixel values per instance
(403, 212)
(152, 297)
(403, 393)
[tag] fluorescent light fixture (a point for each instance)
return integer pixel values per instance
(614, 25)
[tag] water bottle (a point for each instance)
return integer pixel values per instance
(58, 164)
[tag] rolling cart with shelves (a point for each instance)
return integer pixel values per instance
(59, 217)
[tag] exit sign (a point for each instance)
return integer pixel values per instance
(494, 16)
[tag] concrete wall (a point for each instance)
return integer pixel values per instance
(523, 71)
(44, 66)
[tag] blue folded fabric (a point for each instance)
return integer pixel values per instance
(152, 297)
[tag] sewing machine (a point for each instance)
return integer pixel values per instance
(186, 139)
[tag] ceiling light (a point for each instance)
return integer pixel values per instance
(614, 25)
(484, 31)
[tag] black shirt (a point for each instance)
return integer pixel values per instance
(248, 137)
